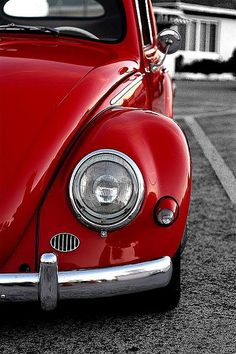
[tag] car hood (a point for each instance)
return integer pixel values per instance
(47, 90)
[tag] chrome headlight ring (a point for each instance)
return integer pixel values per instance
(106, 189)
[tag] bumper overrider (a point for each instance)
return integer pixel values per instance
(49, 285)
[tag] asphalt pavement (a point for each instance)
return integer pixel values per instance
(205, 320)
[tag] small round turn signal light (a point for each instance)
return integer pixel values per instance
(166, 211)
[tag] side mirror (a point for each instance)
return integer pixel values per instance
(168, 41)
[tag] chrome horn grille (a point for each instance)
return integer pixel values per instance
(64, 242)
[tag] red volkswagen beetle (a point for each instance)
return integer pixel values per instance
(95, 173)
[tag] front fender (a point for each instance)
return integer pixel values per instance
(159, 148)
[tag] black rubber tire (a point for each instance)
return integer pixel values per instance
(171, 293)
(160, 299)
(165, 299)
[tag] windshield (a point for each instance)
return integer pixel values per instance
(94, 19)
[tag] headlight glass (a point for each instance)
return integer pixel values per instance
(106, 189)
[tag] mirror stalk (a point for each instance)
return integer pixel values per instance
(154, 66)
(168, 42)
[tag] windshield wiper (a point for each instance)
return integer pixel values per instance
(13, 26)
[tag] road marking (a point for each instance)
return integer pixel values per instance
(224, 174)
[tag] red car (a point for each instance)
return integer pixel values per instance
(95, 173)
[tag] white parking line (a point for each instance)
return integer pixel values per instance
(224, 174)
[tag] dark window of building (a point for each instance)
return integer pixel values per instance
(212, 43)
(192, 35)
(182, 32)
(203, 37)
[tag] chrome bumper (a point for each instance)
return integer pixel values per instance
(49, 285)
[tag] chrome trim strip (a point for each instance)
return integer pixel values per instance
(84, 283)
(140, 23)
(123, 92)
(149, 22)
(139, 20)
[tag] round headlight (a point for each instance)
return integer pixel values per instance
(106, 189)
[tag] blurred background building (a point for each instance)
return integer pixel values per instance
(207, 27)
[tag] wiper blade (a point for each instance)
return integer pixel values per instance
(13, 26)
